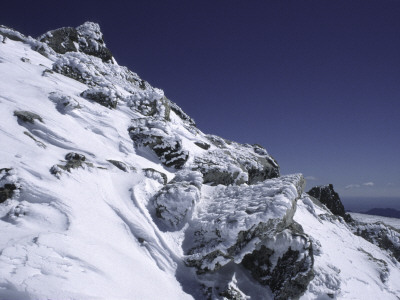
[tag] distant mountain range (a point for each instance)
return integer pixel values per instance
(384, 212)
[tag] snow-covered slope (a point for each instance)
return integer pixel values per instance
(108, 190)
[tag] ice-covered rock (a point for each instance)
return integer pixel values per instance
(233, 163)
(86, 38)
(253, 226)
(155, 134)
(175, 202)
(105, 96)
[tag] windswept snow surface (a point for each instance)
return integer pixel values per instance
(394, 222)
(88, 202)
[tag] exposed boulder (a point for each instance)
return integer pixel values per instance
(9, 186)
(27, 116)
(174, 203)
(327, 196)
(105, 96)
(73, 161)
(86, 38)
(154, 134)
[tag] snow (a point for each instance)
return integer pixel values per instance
(394, 222)
(346, 266)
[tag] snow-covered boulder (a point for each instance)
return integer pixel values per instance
(155, 135)
(233, 163)
(105, 96)
(86, 38)
(175, 202)
(253, 226)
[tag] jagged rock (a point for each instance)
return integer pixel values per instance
(26, 116)
(285, 264)
(174, 203)
(73, 161)
(104, 96)
(153, 133)
(233, 163)
(181, 114)
(384, 236)
(154, 174)
(327, 196)
(9, 185)
(86, 38)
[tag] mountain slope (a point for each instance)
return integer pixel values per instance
(108, 190)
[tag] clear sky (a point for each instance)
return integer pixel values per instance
(315, 82)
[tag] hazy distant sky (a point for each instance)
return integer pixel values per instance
(315, 82)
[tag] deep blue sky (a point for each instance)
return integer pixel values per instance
(315, 82)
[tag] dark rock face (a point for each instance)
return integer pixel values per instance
(86, 38)
(26, 116)
(8, 186)
(104, 96)
(327, 195)
(380, 234)
(289, 277)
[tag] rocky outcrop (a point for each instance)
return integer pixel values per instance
(107, 97)
(253, 226)
(86, 38)
(157, 108)
(154, 134)
(233, 163)
(287, 276)
(73, 161)
(327, 196)
(9, 185)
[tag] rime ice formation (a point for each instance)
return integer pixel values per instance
(108, 190)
